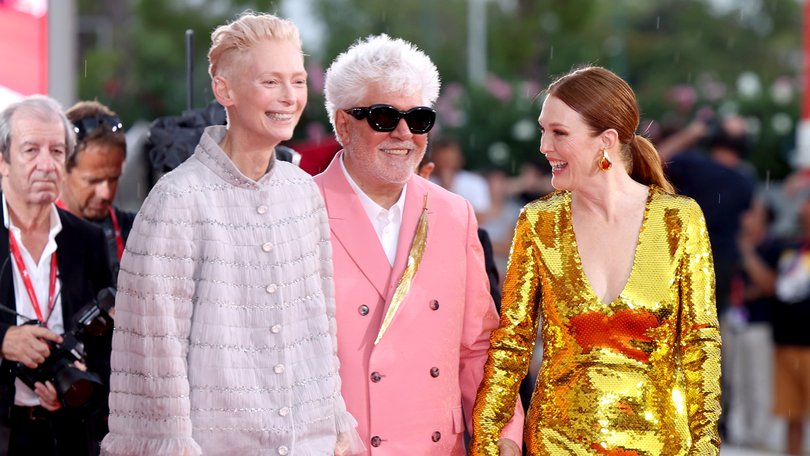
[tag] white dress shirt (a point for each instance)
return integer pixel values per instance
(40, 274)
(386, 222)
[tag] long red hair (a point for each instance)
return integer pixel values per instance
(604, 100)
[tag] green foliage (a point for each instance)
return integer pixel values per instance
(665, 49)
(142, 75)
(679, 56)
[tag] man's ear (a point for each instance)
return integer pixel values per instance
(4, 167)
(342, 127)
(222, 92)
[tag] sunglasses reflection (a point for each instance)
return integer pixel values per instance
(87, 125)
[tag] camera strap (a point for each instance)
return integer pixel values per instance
(26, 277)
(119, 240)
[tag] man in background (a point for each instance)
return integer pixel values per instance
(706, 161)
(449, 173)
(94, 167)
(790, 313)
(55, 265)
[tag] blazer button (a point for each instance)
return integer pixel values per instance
(434, 372)
(376, 441)
(376, 377)
(363, 310)
(434, 304)
(436, 436)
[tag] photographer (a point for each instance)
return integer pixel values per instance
(707, 162)
(93, 171)
(54, 264)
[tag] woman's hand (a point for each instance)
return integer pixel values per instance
(508, 447)
(343, 444)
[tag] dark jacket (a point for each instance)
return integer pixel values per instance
(125, 221)
(83, 272)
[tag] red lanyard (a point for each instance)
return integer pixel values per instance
(26, 277)
(119, 240)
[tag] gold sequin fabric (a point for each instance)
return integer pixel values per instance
(637, 376)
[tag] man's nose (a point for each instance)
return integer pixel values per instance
(402, 131)
(105, 191)
(47, 162)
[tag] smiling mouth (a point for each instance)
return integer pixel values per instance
(397, 152)
(557, 165)
(279, 116)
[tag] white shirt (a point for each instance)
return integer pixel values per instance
(40, 274)
(473, 187)
(386, 222)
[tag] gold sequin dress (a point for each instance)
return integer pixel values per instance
(637, 376)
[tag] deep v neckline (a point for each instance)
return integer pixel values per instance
(578, 258)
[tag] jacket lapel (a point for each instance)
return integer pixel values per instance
(6, 283)
(414, 203)
(352, 229)
(69, 271)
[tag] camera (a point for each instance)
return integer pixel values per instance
(718, 135)
(74, 387)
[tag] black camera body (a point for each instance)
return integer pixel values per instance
(75, 388)
(717, 136)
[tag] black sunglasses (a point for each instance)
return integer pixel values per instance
(87, 125)
(385, 118)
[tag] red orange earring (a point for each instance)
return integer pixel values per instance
(604, 163)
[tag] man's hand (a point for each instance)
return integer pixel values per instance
(508, 447)
(48, 398)
(25, 344)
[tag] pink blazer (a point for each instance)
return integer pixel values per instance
(411, 392)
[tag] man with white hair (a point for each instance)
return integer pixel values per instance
(55, 264)
(414, 312)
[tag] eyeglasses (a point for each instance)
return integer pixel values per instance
(87, 125)
(385, 118)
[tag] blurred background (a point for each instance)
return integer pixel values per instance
(742, 56)
(688, 60)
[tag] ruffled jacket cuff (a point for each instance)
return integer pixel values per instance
(118, 445)
(348, 439)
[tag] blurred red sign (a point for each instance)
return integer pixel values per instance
(24, 46)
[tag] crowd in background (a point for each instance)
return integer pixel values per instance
(759, 231)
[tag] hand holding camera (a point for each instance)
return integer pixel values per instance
(56, 363)
(27, 345)
(48, 397)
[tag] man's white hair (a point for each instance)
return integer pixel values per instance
(394, 65)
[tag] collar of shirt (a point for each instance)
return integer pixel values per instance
(386, 222)
(56, 227)
(40, 278)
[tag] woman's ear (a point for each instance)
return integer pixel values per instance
(609, 139)
(222, 92)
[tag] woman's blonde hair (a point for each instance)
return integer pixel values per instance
(250, 28)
